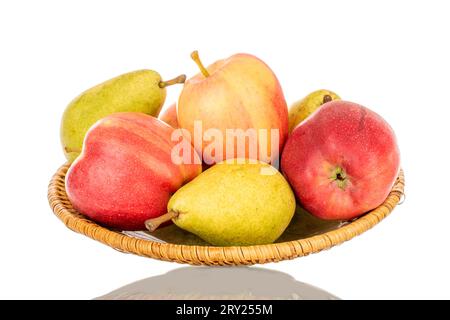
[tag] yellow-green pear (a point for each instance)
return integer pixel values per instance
(138, 91)
(301, 109)
(235, 202)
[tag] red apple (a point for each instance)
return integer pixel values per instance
(169, 116)
(125, 174)
(342, 161)
(240, 92)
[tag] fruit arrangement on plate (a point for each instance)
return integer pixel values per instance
(228, 166)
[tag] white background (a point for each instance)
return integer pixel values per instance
(391, 56)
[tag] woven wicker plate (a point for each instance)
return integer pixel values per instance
(173, 244)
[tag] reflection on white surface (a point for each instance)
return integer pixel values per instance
(219, 283)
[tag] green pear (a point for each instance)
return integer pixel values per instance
(235, 202)
(138, 91)
(301, 109)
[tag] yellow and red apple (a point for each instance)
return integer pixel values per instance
(342, 161)
(237, 93)
(125, 174)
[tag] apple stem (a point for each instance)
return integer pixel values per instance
(326, 98)
(340, 177)
(180, 79)
(196, 58)
(153, 224)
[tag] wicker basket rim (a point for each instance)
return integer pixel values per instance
(211, 255)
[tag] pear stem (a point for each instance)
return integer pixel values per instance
(153, 224)
(326, 98)
(180, 79)
(196, 58)
(69, 150)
